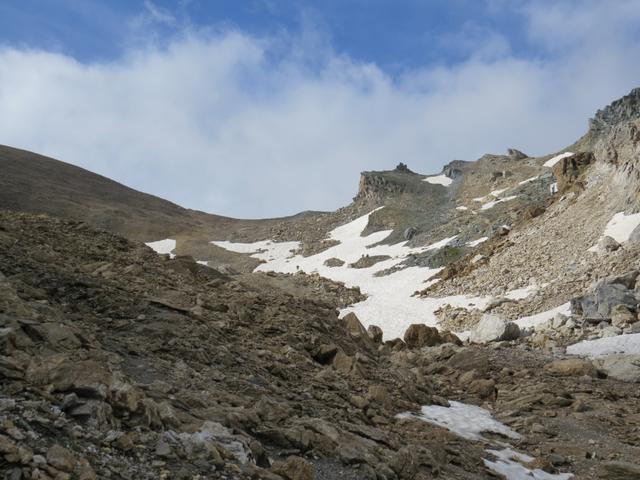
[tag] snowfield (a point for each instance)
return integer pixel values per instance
(390, 303)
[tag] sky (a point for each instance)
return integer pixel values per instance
(264, 108)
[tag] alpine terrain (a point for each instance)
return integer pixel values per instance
(481, 322)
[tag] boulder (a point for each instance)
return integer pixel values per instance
(619, 471)
(621, 367)
(419, 335)
(295, 468)
(621, 316)
(604, 296)
(494, 328)
(355, 328)
(571, 367)
(608, 244)
(61, 458)
(375, 333)
(516, 154)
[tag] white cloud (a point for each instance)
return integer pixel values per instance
(244, 126)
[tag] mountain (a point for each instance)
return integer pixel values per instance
(477, 323)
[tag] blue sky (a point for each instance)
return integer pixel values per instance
(267, 107)
(394, 34)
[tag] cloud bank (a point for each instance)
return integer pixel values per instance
(230, 123)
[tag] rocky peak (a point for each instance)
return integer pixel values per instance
(516, 154)
(621, 110)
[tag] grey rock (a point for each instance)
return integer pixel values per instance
(604, 297)
(619, 471)
(608, 244)
(493, 328)
(621, 367)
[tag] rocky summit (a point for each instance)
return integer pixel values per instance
(481, 322)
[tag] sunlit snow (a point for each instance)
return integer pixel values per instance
(162, 247)
(552, 161)
(474, 243)
(538, 318)
(471, 422)
(620, 344)
(524, 182)
(390, 303)
(439, 180)
(509, 464)
(467, 421)
(492, 204)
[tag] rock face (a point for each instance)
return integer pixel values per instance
(493, 328)
(569, 171)
(623, 110)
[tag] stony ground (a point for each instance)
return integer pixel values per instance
(119, 363)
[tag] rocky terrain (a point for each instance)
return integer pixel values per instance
(480, 323)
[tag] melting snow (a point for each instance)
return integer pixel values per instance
(521, 293)
(538, 318)
(621, 226)
(390, 303)
(468, 421)
(507, 464)
(621, 344)
(462, 208)
(496, 193)
(552, 161)
(439, 180)
(163, 246)
(492, 204)
(524, 182)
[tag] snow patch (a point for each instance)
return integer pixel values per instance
(470, 422)
(621, 226)
(439, 180)
(509, 464)
(477, 242)
(538, 318)
(552, 161)
(462, 208)
(467, 421)
(492, 204)
(524, 182)
(621, 344)
(163, 247)
(522, 293)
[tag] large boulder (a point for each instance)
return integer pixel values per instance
(572, 367)
(494, 328)
(355, 328)
(621, 367)
(619, 471)
(621, 316)
(419, 335)
(605, 295)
